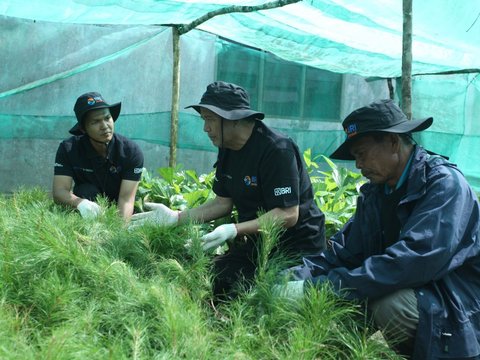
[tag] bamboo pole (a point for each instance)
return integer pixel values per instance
(407, 59)
(231, 9)
(179, 30)
(451, 72)
(172, 162)
(391, 93)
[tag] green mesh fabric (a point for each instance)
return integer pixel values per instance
(354, 36)
(306, 65)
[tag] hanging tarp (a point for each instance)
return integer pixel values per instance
(347, 36)
(306, 65)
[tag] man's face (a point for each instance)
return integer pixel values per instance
(99, 125)
(378, 161)
(213, 127)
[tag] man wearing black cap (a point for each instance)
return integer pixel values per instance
(257, 170)
(97, 160)
(412, 249)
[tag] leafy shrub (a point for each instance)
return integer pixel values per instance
(176, 188)
(335, 190)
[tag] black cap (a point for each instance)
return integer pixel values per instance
(384, 116)
(227, 100)
(91, 101)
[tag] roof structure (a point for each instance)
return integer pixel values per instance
(57, 49)
(362, 37)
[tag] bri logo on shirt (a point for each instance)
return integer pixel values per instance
(282, 191)
(250, 180)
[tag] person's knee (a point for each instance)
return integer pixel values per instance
(231, 270)
(396, 316)
(396, 313)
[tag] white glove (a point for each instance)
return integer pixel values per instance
(88, 209)
(161, 215)
(292, 290)
(218, 236)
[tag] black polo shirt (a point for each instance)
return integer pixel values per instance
(268, 172)
(77, 158)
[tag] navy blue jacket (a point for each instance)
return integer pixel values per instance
(437, 254)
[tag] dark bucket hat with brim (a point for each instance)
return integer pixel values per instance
(379, 116)
(227, 100)
(91, 101)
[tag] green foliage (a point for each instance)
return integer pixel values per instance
(179, 189)
(335, 191)
(175, 188)
(72, 288)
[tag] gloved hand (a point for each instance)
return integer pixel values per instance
(88, 209)
(292, 290)
(218, 236)
(161, 215)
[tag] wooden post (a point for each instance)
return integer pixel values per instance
(172, 162)
(179, 30)
(391, 93)
(407, 59)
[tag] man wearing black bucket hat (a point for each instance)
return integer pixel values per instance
(97, 160)
(257, 170)
(412, 249)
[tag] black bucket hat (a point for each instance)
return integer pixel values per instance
(91, 101)
(227, 100)
(384, 116)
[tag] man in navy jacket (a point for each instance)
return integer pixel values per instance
(412, 249)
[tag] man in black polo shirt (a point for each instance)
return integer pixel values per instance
(97, 160)
(257, 170)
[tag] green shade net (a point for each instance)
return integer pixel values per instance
(347, 36)
(312, 52)
(454, 103)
